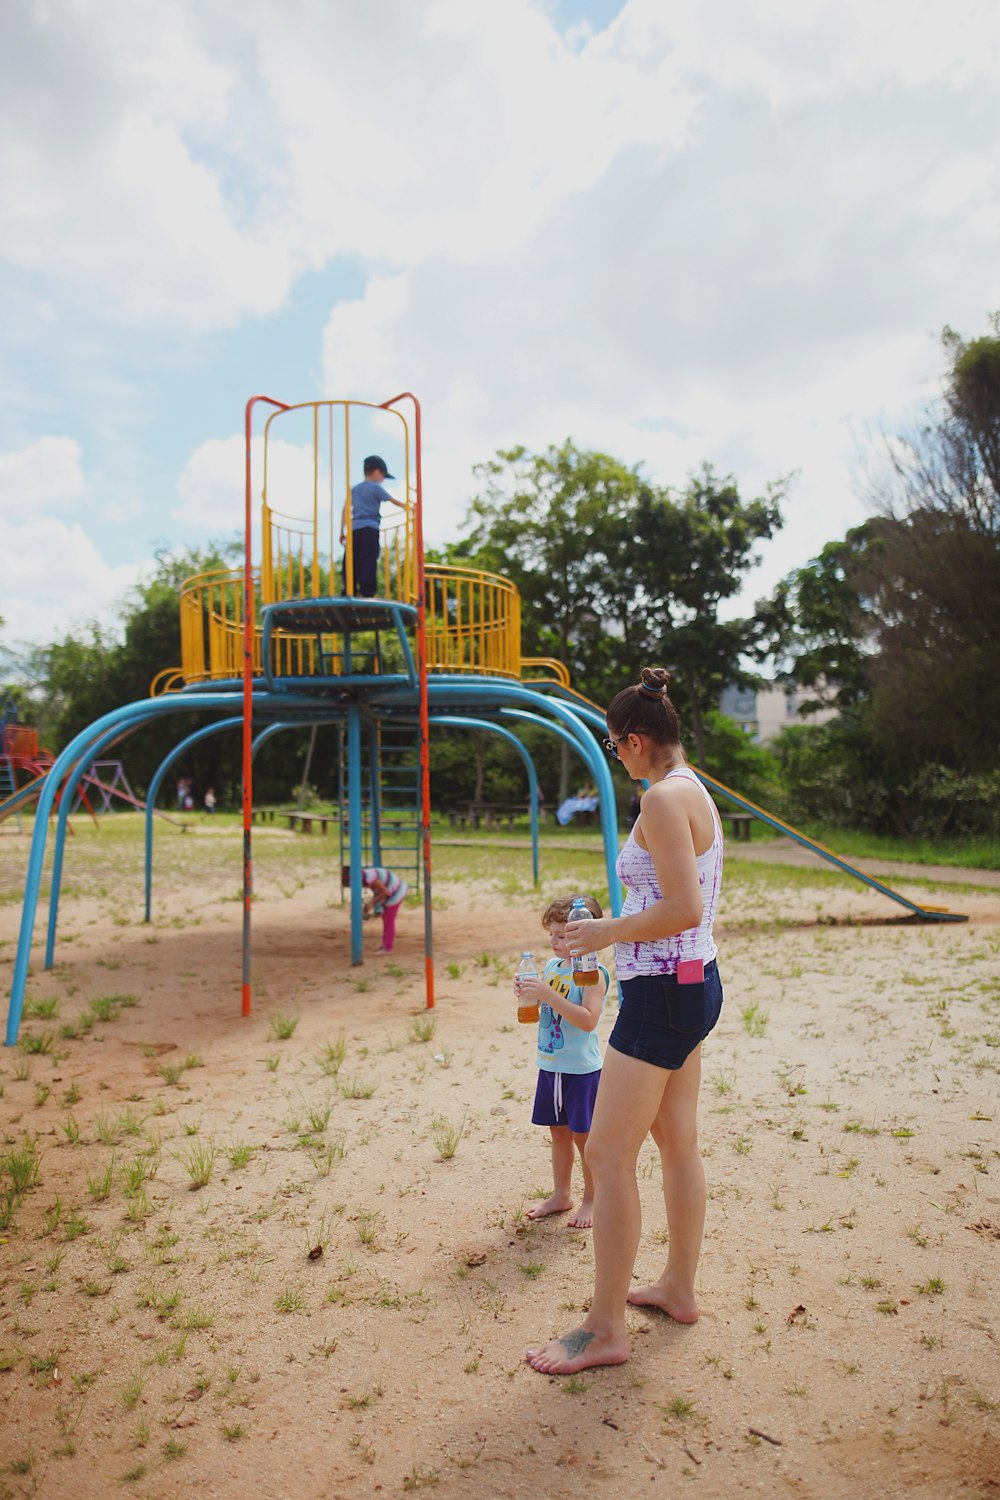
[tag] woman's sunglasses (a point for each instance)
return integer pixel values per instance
(611, 746)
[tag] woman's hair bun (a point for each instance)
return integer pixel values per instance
(655, 680)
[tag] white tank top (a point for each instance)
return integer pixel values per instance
(638, 874)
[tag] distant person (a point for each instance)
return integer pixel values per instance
(210, 800)
(367, 499)
(389, 889)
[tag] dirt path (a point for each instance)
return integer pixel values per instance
(161, 1339)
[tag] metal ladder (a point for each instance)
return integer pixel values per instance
(393, 824)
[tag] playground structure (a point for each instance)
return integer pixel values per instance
(284, 645)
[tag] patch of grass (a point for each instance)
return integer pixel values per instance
(128, 1122)
(368, 1225)
(38, 1046)
(932, 1287)
(330, 1057)
(290, 1299)
(422, 1029)
(42, 1010)
(357, 1088)
(99, 1187)
(447, 1136)
(240, 1154)
(198, 1162)
(105, 1007)
(680, 1407)
(75, 1225)
(531, 1269)
(754, 1019)
(318, 1117)
(132, 1390)
(283, 1026)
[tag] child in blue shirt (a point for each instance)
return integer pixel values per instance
(367, 499)
(569, 1062)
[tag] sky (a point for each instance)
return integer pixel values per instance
(675, 230)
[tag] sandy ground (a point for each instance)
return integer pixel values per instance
(342, 1308)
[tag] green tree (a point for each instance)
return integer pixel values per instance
(615, 572)
(933, 581)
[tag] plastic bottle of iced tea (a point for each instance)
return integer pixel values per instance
(585, 970)
(526, 969)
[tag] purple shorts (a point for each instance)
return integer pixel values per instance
(566, 1099)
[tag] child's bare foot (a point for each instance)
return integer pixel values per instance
(584, 1216)
(680, 1306)
(579, 1350)
(559, 1203)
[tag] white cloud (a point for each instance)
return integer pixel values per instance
(718, 229)
(47, 475)
(53, 573)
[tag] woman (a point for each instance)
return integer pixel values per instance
(671, 996)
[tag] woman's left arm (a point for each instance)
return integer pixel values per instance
(666, 830)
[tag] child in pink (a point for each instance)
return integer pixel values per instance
(389, 890)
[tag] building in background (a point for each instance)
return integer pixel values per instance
(764, 712)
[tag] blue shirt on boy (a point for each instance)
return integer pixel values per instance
(563, 1048)
(367, 499)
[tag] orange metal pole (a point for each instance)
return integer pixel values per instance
(248, 701)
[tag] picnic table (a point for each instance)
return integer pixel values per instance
(305, 820)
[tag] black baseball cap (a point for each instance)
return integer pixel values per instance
(374, 462)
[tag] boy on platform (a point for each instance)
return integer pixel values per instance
(569, 1062)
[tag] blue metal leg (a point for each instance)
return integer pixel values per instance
(131, 714)
(375, 793)
(112, 737)
(354, 822)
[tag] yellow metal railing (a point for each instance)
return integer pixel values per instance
(300, 535)
(544, 669)
(473, 622)
(473, 625)
(170, 680)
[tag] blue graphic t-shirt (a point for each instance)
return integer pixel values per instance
(563, 1048)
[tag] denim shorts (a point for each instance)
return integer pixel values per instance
(662, 1022)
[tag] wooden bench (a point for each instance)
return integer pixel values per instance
(267, 814)
(305, 820)
(488, 815)
(739, 822)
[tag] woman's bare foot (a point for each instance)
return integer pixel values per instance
(584, 1216)
(579, 1350)
(677, 1305)
(559, 1203)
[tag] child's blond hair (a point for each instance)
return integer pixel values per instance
(559, 909)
